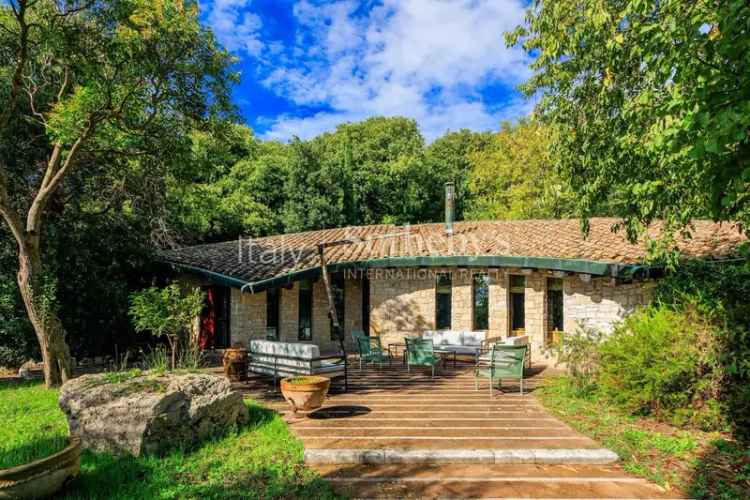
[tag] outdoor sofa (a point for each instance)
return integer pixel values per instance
(471, 343)
(288, 359)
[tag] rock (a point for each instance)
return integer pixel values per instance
(25, 371)
(149, 414)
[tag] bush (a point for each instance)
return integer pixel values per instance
(720, 291)
(579, 351)
(661, 361)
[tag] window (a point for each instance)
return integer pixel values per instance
(443, 301)
(273, 296)
(337, 287)
(305, 310)
(481, 299)
(517, 305)
(555, 316)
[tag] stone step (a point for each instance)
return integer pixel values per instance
(454, 455)
(418, 444)
(488, 481)
(439, 433)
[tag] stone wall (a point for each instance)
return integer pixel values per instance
(402, 303)
(248, 317)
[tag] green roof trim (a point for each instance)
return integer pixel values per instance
(594, 268)
(218, 278)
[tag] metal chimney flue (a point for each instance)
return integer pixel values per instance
(450, 207)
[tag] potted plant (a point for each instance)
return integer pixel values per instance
(44, 477)
(305, 392)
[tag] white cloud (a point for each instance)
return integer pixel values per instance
(424, 59)
(235, 26)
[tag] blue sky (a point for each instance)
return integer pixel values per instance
(309, 65)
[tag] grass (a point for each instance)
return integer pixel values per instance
(32, 427)
(700, 464)
(261, 460)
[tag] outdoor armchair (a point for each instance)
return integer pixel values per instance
(503, 362)
(371, 351)
(421, 352)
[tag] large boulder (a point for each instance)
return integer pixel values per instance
(145, 414)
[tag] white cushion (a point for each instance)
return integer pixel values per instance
(522, 340)
(444, 338)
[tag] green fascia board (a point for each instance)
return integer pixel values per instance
(594, 268)
(218, 278)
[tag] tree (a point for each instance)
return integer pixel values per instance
(93, 87)
(651, 102)
(229, 187)
(514, 178)
(449, 159)
(363, 173)
(166, 312)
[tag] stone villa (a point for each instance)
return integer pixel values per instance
(533, 277)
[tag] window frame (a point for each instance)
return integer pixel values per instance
(306, 290)
(486, 320)
(516, 291)
(275, 309)
(438, 301)
(555, 289)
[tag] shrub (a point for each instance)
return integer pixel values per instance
(579, 351)
(167, 312)
(719, 291)
(661, 361)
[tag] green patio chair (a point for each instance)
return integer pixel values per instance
(370, 351)
(503, 362)
(421, 352)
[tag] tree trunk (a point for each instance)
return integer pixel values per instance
(48, 328)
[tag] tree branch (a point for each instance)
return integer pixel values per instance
(53, 177)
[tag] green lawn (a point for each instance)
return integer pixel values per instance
(261, 460)
(700, 464)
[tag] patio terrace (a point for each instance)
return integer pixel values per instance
(402, 434)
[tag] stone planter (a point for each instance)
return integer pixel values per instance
(42, 478)
(235, 363)
(305, 393)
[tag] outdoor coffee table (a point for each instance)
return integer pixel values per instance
(445, 354)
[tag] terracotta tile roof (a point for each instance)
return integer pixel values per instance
(268, 257)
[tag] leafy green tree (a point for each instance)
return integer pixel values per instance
(92, 89)
(231, 187)
(651, 102)
(167, 312)
(449, 158)
(514, 178)
(363, 173)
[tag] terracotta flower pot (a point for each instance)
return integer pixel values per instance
(305, 393)
(235, 363)
(42, 478)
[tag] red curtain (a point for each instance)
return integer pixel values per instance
(208, 321)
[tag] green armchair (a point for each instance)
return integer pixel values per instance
(421, 352)
(371, 351)
(503, 362)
